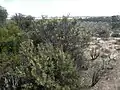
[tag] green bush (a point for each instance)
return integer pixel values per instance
(24, 22)
(49, 67)
(62, 32)
(50, 61)
(10, 37)
(102, 29)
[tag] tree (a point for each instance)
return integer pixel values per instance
(24, 22)
(101, 29)
(3, 15)
(115, 22)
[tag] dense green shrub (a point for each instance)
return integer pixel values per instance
(62, 32)
(49, 62)
(50, 54)
(102, 29)
(97, 29)
(49, 67)
(10, 37)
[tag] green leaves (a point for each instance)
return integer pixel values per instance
(9, 33)
(3, 15)
(50, 66)
(24, 22)
(47, 54)
(66, 33)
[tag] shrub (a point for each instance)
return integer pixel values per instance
(98, 29)
(50, 61)
(10, 37)
(49, 67)
(24, 22)
(62, 32)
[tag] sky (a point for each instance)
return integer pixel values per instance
(62, 7)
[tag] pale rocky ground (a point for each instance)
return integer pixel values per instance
(109, 49)
(111, 81)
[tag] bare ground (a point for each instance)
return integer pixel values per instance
(111, 80)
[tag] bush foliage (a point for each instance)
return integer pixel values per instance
(45, 55)
(50, 67)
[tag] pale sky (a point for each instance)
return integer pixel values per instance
(62, 7)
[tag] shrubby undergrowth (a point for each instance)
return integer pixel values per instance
(45, 54)
(48, 54)
(50, 68)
